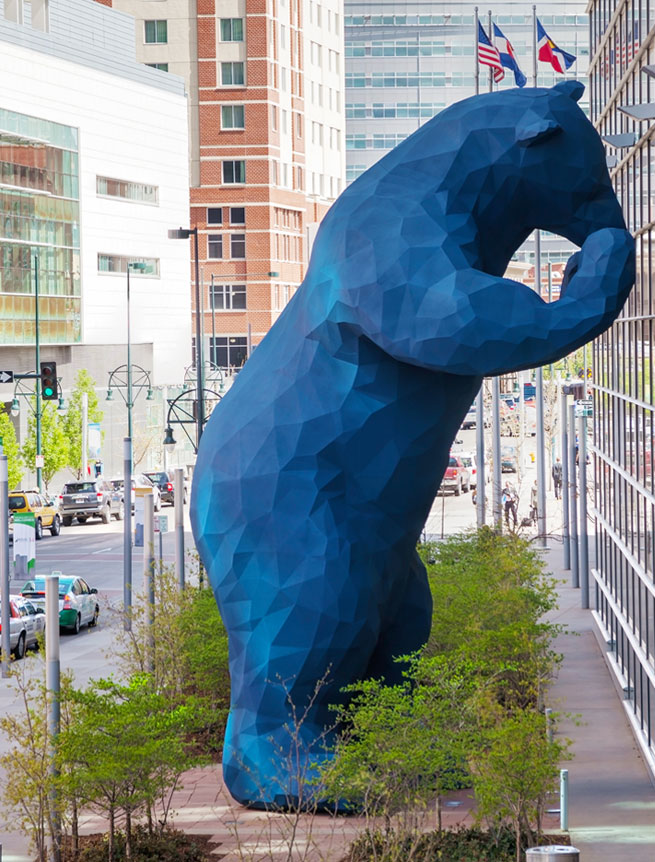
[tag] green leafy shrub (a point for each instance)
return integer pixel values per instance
(190, 655)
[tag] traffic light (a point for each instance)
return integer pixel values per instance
(49, 381)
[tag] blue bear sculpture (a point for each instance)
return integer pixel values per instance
(317, 470)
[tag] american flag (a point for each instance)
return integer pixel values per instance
(488, 54)
(625, 54)
(631, 46)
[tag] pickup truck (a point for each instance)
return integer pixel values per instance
(456, 478)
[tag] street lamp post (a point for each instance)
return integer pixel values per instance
(127, 471)
(137, 266)
(185, 233)
(37, 414)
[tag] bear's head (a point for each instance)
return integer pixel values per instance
(564, 183)
(510, 161)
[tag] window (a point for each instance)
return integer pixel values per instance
(230, 296)
(163, 67)
(274, 118)
(231, 29)
(214, 246)
(238, 245)
(214, 215)
(232, 74)
(156, 32)
(118, 263)
(139, 192)
(234, 172)
(229, 351)
(237, 215)
(232, 117)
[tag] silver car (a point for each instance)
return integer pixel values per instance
(26, 622)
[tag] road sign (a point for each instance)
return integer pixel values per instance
(24, 544)
(584, 408)
(39, 461)
(6, 376)
(161, 523)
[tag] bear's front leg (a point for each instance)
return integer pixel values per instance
(293, 647)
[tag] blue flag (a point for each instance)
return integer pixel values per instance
(507, 56)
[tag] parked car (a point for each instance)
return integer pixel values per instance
(164, 481)
(470, 461)
(509, 462)
(471, 417)
(139, 480)
(78, 602)
(457, 477)
(26, 622)
(91, 498)
(46, 514)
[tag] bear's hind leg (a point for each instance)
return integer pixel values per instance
(407, 629)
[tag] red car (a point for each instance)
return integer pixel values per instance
(456, 478)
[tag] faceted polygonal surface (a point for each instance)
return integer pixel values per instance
(318, 468)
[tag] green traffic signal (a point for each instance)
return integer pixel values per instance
(49, 381)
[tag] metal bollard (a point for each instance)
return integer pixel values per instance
(564, 799)
(554, 853)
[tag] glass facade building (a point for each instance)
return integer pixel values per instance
(407, 61)
(40, 230)
(623, 386)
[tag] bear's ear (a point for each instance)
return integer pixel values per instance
(533, 129)
(572, 89)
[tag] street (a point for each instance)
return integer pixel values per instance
(451, 514)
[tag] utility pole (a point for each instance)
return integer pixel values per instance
(565, 479)
(573, 503)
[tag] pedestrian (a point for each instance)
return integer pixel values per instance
(557, 478)
(534, 502)
(509, 505)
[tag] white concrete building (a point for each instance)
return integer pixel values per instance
(94, 171)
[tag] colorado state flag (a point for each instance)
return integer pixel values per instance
(507, 56)
(548, 52)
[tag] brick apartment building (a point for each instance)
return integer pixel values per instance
(265, 82)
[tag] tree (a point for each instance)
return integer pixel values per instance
(126, 751)
(11, 450)
(27, 790)
(515, 770)
(54, 443)
(73, 419)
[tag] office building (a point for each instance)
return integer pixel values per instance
(93, 172)
(406, 62)
(265, 85)
(623, 385)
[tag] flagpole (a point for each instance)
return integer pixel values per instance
(480, 487)
(476, 59)
(541, 462)
(491, 71)
(496, 500)
(534, 46)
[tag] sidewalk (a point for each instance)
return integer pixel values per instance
(611, 797)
